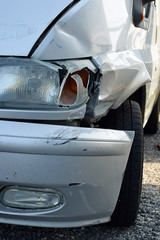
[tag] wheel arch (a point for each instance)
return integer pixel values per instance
(138, 96)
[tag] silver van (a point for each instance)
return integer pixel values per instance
(79, 80)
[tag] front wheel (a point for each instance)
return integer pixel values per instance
(128, 117)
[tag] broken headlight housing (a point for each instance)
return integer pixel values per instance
(37, 85)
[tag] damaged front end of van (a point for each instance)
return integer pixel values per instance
(64, 146)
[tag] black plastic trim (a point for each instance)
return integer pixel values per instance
(138, 9)
(137, 12)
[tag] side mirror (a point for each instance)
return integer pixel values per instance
(138, 12)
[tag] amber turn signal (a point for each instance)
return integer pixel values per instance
(72, 86)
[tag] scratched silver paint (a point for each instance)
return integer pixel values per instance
(84, 164)
(25, 23)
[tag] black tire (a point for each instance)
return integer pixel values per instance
(153, 121)
(128, 117)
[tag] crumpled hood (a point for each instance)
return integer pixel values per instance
(22, 22)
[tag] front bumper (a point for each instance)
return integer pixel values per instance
(86, 165)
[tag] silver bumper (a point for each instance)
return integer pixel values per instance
(86, 165)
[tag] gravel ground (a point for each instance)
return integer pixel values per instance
(147, 226)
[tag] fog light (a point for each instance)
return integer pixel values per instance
(30, 198)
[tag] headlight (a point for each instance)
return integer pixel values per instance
(27, 84)
(37, 85)
(74, 88)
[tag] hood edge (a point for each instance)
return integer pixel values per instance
(46, 31)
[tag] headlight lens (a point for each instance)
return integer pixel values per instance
(36, 85)
(74, 88)
(26, 84)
